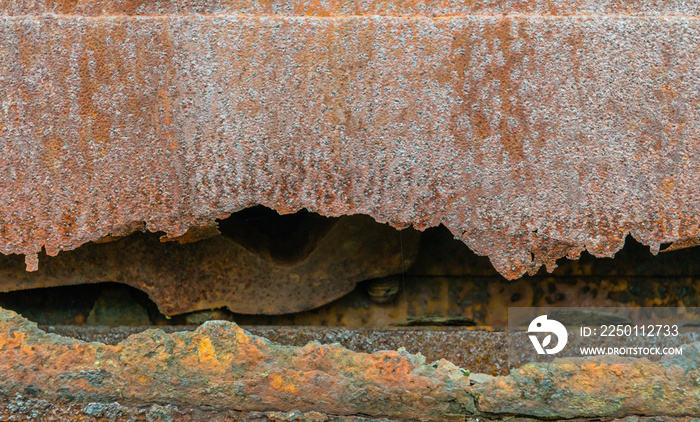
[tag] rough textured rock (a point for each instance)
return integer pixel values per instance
(308, 269)
(23, 408)
(221, 367)
(532, 130)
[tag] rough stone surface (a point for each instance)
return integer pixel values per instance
(532, 130)
(234, 273)
(608, 386)
(220, 367)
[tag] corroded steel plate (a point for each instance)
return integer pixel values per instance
(532, 130)
(222, 272)
(221, 367)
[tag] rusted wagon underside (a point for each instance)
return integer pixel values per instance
(530, 130)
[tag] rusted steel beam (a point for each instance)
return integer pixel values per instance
(532, 132)
(24, 408)
(410, 8)
(316, 264)
(221, 367)
(481, 350)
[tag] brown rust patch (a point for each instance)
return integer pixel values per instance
(190, 369)
(187, 118)
(250, 272)
(407, 8)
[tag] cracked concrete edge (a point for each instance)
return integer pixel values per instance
(220, 367)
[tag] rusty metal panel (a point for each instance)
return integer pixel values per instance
(482, 349)
(350, 7)
(221, 367)
(531, 136)
(225, 272)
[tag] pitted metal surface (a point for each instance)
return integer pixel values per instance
(533, 132)
(318, 262)
(222, 367)
(481, 349)
(407, 8)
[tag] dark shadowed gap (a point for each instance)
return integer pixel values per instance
(446, 284)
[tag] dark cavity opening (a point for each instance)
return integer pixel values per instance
(286, 238)
(407, 278)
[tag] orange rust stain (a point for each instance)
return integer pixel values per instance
(390, 366)
(130, 6)
(668, 92)
(93, 71)
(280, 383)
(68, 223)
(164, 130)
(144, 380)
(206, 352)
(266, 6)
(510, 137)
(53, 154)
(668, 186)
(11, 342)
(314, 8)
(481, 126)
(64, 6)
(456, 73)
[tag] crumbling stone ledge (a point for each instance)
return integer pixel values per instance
(220, 367)
(532, 130)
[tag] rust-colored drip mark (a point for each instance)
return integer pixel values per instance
(31, 261)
